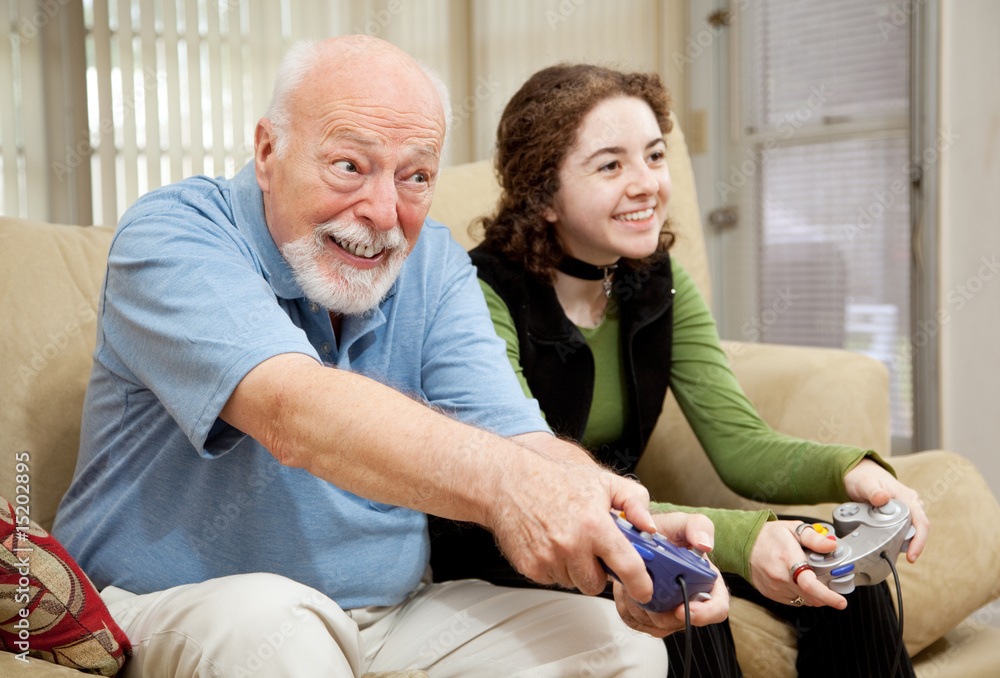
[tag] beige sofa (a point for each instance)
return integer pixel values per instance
(50, 278)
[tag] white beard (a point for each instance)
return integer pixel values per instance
(334, 283)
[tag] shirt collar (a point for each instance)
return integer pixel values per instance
(248, 206)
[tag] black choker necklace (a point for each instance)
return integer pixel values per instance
(581, 269)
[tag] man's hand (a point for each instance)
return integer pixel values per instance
(686, 530)
(871, 483)
(552, 520)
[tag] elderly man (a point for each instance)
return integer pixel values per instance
(287, 379)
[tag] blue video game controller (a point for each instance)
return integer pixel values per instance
(665, 562)
(864, 533)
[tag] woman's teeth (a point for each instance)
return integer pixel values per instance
(641, 215)
(366, 251)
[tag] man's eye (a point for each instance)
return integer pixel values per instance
(420, 178)
(346, 165)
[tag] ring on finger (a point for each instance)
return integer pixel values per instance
(800, 528)
(819, 528)
(798, 568)
(798, 602)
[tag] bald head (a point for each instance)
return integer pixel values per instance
(357, 68)
(346, 160)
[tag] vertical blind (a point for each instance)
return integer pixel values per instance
(828, 111)
(22, 151)
(175, 87)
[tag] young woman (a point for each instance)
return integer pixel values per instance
(600, 321)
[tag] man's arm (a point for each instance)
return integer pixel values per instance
(554, 448)
(548, 510)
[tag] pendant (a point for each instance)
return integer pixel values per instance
(606, 283)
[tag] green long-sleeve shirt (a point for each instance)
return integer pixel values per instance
(751, 458)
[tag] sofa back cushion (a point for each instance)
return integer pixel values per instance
(50, 278)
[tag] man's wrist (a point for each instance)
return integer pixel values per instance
(554, 448)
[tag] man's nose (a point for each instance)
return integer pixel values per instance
(379, 202)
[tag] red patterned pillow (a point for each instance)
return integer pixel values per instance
(49, 609)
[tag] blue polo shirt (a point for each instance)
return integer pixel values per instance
(196, 295)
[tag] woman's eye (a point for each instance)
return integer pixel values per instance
(609, 166)
(657, 156)
(346, 165)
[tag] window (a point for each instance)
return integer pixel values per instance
(825, 112)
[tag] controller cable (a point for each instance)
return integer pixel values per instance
(899, 604)
(687, 626)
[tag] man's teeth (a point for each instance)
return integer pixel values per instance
(636, 216)
(366, 251)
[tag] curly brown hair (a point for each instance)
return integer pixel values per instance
(537, 129)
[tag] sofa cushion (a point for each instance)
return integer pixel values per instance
(49, 609)
(50, 279)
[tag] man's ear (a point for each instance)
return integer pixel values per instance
(263, 153)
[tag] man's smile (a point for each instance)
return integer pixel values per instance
(361, 250)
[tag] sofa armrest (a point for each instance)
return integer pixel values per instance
(959, 569)
(826, 395)
(840, 397)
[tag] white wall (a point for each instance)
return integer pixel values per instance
(970, 233)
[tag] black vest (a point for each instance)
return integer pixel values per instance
(558, 364)
(559, 369)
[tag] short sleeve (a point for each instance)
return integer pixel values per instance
(188, 313)
(465, 367)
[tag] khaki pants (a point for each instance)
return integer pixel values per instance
(269, 626)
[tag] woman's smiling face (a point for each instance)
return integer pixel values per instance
(614, 185)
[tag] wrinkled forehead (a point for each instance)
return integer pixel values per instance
(383, 93)
(375, 130)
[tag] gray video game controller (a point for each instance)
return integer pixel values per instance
(864, 532)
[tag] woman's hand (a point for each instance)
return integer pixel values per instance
(776, 550)
(871, 483)
(685, 530)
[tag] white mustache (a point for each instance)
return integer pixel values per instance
(360, 238)
(336, 284)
